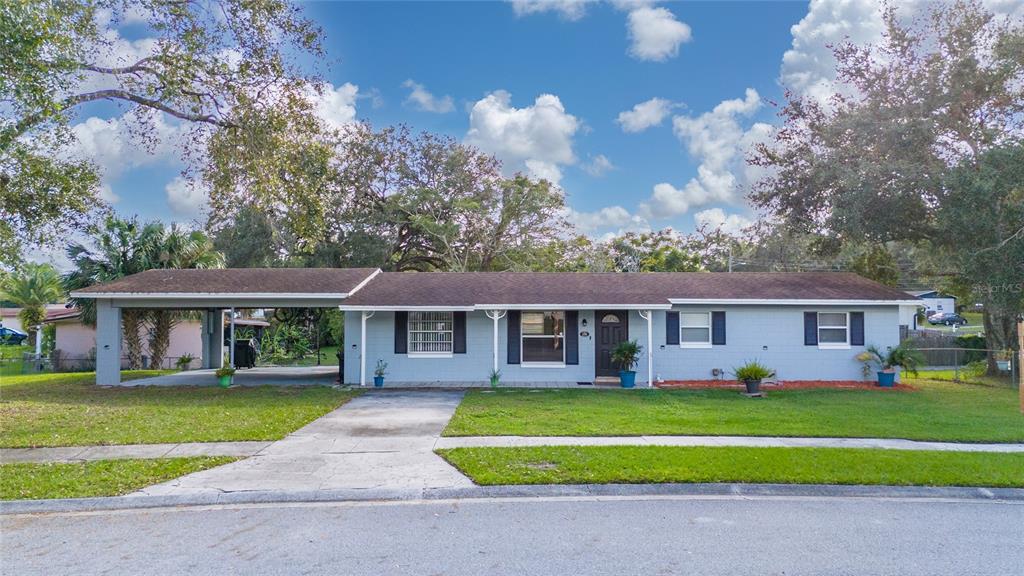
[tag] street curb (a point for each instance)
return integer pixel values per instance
(524, 492)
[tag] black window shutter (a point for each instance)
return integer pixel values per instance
(459, 332)
(718, 328)
(572, 337)
(672, 327)
(401, 332)
(856, 328)
(513, 336)
(810, 328)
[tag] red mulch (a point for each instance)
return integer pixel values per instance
(787, 385)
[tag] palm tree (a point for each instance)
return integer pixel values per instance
(176, 248)
(119, 248)
(32, 287)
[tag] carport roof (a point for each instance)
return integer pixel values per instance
(295, 282)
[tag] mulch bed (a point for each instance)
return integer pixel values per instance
(783, 385)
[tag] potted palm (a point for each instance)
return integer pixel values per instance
(184, 361)
(901, 356)
(225, 376)
(626, 356)
(379, 372)
(751, 374)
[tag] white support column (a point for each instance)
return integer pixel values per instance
(648, 315)
(496, 315)
(362, 346)
(108, 343)
(231, 352)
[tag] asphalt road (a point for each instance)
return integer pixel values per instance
(563, 537)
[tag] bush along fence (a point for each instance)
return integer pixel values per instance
(29, 363)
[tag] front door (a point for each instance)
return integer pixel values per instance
(612, 328)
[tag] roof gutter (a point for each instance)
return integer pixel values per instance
(794, 302)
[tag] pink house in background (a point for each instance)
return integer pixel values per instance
(9, 316)
(77, 341)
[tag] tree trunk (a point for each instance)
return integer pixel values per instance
(1000, 333)
(160, 336)
(131, 319)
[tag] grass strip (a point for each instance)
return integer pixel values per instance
(671, 464)
(24, 481)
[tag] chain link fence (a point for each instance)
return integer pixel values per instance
(30, 363)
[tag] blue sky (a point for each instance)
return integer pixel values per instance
(542, 86)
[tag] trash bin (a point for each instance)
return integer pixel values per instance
(245, 353)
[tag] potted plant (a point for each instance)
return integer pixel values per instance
(225, 376)
(379, 372)
(495, 378)
(626, 355)
(902, 356)
(751, 374)
(184, 361)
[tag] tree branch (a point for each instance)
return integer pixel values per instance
(26, 123)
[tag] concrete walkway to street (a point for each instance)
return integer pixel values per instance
(87, 453)
(383, 440)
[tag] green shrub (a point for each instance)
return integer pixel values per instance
(753, 371)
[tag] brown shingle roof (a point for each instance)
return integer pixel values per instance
(326, 281)
(524, 288)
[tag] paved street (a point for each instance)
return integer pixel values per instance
(707, 536)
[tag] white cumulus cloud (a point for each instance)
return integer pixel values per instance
(609, 219)
(645, 115)
(536, 138)
(655, 34)
(568, 9)
(719, 142)
(336, 106)
(421, 99)
(599, 166)
(187, 199)
(716, 218)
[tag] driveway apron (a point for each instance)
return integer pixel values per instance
(380, 440)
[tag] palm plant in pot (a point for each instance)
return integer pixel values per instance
(379, 372)
(901, 356)
(626, 356)
(751, 374)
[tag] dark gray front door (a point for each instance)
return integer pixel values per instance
(612, 328)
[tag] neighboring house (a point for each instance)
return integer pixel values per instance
(542, 328)
(934, 301)
(76, 341)
(9, 317)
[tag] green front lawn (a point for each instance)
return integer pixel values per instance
(69, 410)
(98, 478)
(656, 464)
(936, 411)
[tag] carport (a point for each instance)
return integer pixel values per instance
(211, 292)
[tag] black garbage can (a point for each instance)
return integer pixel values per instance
(245, 353)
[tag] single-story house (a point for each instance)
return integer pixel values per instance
(539, 328)
(9, 317)
(935, 301)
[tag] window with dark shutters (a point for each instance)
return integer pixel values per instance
(572, 337)
(856, 328)
(718, 328)
(512, 319)
(672, 327)
(810, 328)
(401, 332)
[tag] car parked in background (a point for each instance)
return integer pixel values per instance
(947, 319)
(12, 337)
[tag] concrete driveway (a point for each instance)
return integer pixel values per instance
(380, 440)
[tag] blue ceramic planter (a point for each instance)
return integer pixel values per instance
(627, 378)
(887, 379)
(378, 381)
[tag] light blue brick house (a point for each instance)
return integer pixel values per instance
(559, 328)
(537, 328)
